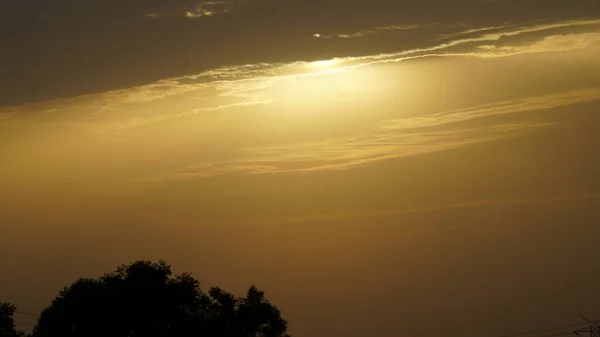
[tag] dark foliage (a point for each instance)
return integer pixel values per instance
(145, 299)
(7, 323)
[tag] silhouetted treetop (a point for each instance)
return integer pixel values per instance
(145, 299)
(7, 323)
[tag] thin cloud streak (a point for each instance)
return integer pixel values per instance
(135, 122)
(482, 38)
(393, 138)
(474, 30)
(331, 156)
(543, 102)
(375, 30)
(555, 43)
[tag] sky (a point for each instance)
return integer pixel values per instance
(377, 167)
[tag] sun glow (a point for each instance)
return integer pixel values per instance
(325, 63)
(320, 95)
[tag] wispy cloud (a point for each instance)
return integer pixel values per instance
(344, 154)
(471, 31)
(486, 33)
(542, 102)
(470, 45)
(553, 43)
(474, 46)
(246, 85)
(200, 9)
(139, 121)
(374, 30)
(393, 138)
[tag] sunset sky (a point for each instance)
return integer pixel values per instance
(378, 167)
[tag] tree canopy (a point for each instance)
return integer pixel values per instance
(7, 323)
(145, 299)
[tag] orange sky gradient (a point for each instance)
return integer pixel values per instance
(449, 187)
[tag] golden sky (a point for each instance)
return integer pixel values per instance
(373, 166)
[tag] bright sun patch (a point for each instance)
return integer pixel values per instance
(324, 63)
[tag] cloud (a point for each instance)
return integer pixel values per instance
(375, 30)
(246, 85)
(394, 138)
(522, 30)
(342, 154)
(542, 102)
(140, 121)
(233, 88)
(247, 81)
(491, 33)
(483, 39)
(477, 30)
(199, 9)
(555, 43)
(212, 169)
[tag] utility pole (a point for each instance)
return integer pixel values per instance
(592, 330)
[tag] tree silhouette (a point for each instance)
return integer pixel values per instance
(7, 323)
(145, 299)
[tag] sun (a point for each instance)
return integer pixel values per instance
(324, 63)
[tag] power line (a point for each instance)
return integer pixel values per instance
(545, 330)
(26, 313)
(557, 334)
(23, 323)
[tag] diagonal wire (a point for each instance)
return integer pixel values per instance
(26, 313)
(23, 323)
(557, 334)
(545, 330)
